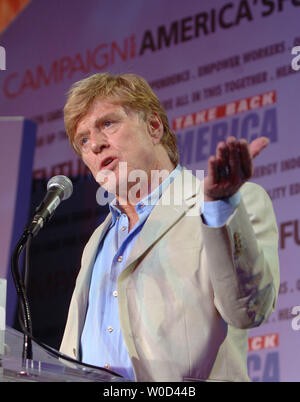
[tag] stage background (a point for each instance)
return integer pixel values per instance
(219, 67)
(18, 137)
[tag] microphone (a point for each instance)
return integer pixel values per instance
(59, 188)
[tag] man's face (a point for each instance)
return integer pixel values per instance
(109, 135)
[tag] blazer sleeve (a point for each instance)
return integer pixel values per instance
(242, 259)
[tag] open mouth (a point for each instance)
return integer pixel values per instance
(107, 162)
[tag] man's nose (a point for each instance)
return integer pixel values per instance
(98, 143)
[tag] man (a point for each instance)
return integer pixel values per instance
(166, 290)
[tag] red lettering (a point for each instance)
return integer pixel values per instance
(78, 65)
(9, 93)
(65, 65)
(284, 233)
(42, 77)
(115, 48)
(229, 109)
(40, 174)
(65, 168)
(132, 46)
(28, 81)
(268, 341)
(104, 56)
(98, 58)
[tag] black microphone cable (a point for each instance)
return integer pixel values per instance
(22, 297)
(65, 191)
(26, 324)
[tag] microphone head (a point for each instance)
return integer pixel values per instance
(64, 183)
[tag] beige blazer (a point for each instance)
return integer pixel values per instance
(189, 292)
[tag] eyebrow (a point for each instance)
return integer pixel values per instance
(98, 121)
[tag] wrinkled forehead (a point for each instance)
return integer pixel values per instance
(116, 102)
(106, 106)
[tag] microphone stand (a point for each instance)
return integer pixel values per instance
(43, 215)
(21, 292)
(26, 323)
(59, 188)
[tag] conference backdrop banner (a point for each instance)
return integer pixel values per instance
(220, 68)
(18, 137)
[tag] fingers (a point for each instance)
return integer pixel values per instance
(233, 161)
(228, 161)
(258, 145)
(212, 170)
(231, 166)
(246, 159)
(222, 162)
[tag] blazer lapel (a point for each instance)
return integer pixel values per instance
(182, 194)
(77, 312)
(88, 259)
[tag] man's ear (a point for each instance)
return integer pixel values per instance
(155, 128)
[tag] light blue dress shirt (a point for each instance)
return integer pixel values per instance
(102, 342)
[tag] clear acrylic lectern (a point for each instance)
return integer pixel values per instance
(44, 367)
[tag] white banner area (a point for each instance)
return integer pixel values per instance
(219, 67)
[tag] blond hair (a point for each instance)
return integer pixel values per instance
(128, 90)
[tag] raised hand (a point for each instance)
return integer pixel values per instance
(231, 167)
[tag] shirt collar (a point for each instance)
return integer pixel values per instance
(148, 202)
